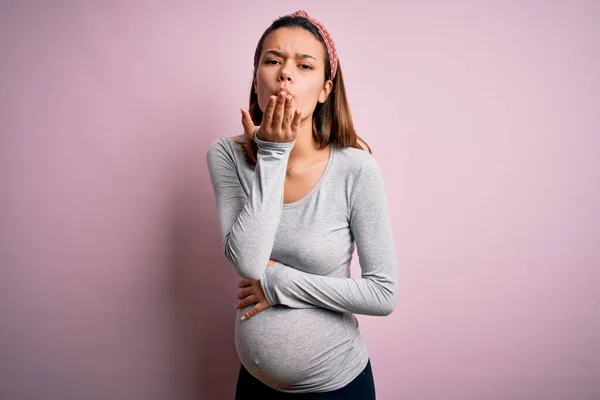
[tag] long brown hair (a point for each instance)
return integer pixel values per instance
(332, 120)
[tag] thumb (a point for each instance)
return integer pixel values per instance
(249, 127)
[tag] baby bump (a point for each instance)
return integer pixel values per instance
(293, 347)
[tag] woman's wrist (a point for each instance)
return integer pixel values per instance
(272, 145)
(256, 135)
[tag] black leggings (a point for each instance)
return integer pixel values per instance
(361, 388)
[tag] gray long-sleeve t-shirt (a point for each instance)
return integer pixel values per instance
(309, 339)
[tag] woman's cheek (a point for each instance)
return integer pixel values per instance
(263, 99)
(262, 92)
(307, 106)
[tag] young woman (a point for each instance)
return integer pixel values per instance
(295, 194)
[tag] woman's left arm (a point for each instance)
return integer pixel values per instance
(375, 292)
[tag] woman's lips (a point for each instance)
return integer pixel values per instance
(284, 90)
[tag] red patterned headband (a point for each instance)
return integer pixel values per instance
(331, 50)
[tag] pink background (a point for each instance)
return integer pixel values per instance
(484, 117)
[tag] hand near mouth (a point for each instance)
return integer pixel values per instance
(280, 123)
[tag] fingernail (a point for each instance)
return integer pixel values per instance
(289, 98)
(243, 317)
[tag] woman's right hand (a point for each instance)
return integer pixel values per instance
(280, 122)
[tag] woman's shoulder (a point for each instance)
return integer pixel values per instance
(354, 160)
(225, 143)
(224, 149)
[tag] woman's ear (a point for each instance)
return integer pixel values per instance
(325, 91)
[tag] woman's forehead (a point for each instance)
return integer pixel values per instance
(294, 41)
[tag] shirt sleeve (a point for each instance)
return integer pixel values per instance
(375, 292)
(248, 222)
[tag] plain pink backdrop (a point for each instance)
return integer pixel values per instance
(483, 116)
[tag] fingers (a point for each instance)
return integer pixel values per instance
(250, 295)
(278, 115)
(247, 291)
(287, 115)
(245, 282)
(247, 123)
(279, 123)
(255, 310)
(295, 125)
(268, 114)
(247, 301)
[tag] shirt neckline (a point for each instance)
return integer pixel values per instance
(317, 185)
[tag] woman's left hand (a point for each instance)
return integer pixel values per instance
(252, 293)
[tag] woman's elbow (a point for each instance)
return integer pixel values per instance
(388, 301)
(388, 306)
(248, 273)
(243, 268)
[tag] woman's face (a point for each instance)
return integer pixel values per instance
(294, 59)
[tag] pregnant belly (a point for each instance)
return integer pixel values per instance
(293, 348)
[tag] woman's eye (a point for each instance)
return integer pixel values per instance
(305, 67)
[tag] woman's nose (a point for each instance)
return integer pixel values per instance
(285, 76)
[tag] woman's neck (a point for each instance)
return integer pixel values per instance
(305, 148)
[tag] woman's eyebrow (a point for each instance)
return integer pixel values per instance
(282, 55)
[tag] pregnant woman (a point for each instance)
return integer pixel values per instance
(295, 194)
